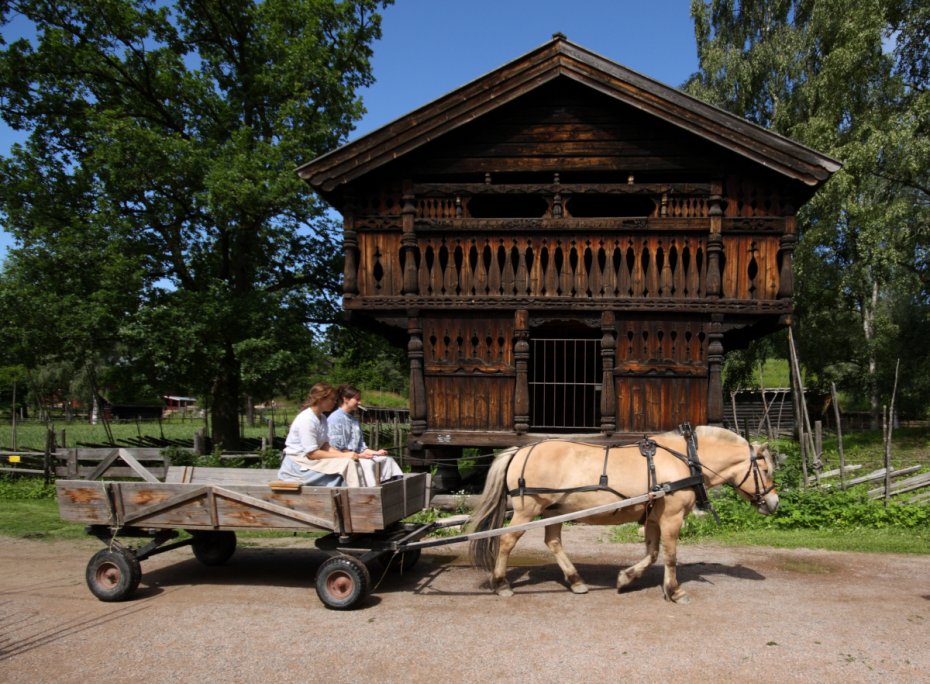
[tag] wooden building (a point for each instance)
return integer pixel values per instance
(565, 246)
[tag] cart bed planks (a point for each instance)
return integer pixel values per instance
(239, 499)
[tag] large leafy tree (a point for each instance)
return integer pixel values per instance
(158, 175)
(847, 77)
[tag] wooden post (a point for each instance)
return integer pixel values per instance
(733, 408)
(271, 432)
(63, 441)
(889, 421)
(712, 286)
(13, 414)
(408, 240)
(418, 421)
(807, 442)
(199, 442)
(47, 468)
(350, 249)
(72, 467)
(839, 434)
(797, 400)
(521, 354)
(818, 445)
(608, 354)
(714, 363)
(765, 405)
(786, 273)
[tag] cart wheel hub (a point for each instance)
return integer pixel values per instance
(340, 585)
(108, 576)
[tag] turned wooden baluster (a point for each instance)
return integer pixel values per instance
(409, 240)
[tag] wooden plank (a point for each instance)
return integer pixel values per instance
(903, 486)
(836, 471)
(187, 495)
(84, 501)
(367, 506)
(221, 476)
(251, 502)
(113, 472)
(211, 506)
(105, 463)
(130, 459)
(880, 474)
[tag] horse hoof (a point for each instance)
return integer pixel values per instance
(505, 592)
(580, 588)
(679, 597)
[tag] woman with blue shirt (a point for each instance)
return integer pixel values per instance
(345, 433)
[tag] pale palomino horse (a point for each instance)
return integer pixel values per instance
(553, 477)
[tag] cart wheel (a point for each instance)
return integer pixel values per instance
(112, 575)
(342, 582)
(213, 547)
(400, 562)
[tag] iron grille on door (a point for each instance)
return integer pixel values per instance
(565, 384)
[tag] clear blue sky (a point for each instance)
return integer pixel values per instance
(430, 47)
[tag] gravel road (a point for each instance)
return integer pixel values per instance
(756, 614)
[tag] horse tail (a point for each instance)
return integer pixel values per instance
(489, 513)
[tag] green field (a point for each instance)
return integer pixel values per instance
(31, 435)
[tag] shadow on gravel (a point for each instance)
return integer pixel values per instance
(603, 577)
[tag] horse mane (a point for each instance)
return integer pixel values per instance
(723, 434)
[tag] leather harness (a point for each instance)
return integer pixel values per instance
(647, 449)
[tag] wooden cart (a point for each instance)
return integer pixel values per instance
(212, 504)
(363, 524)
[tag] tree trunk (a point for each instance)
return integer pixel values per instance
(868, 326)
(225, 427)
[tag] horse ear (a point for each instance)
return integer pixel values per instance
(764, 451)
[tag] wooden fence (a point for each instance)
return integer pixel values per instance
(913, 481)
(91, 463)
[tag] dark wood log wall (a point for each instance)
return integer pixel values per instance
(567, 205)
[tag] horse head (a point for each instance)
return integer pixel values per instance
(749, 468)
(758, 484)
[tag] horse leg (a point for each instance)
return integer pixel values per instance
(671, 590)
(499, 583)
(651, 532)
(554, 542)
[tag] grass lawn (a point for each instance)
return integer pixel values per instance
(863, 539)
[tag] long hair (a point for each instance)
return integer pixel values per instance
(318, 393)
(489, 513)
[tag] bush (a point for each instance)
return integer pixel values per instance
(810, 509)
(25, 488)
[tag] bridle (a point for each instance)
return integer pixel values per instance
(758, 497)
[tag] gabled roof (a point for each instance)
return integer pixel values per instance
(560, 58)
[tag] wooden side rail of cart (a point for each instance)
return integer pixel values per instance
(239, 499)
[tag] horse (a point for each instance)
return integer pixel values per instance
(555, 476)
